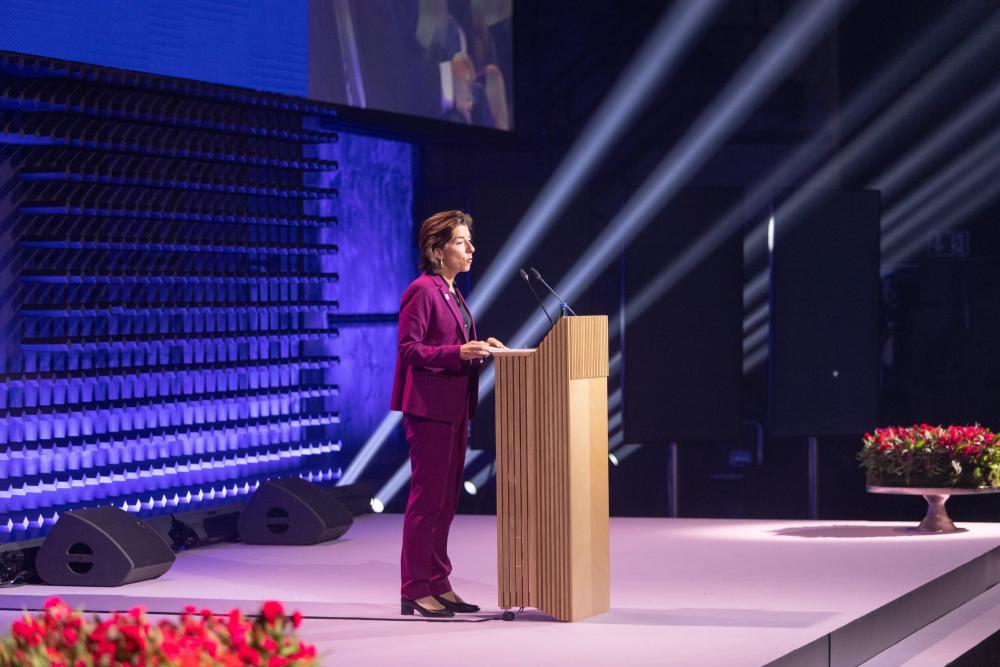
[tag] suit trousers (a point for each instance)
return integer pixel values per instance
(437, 459)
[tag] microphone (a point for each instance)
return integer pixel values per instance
(524, 274)
(565, 306)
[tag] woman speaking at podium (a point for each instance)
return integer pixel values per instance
(436, 387)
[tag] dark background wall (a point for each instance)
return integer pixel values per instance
(938, 313)
(935, 313)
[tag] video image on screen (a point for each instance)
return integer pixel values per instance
(443, 59)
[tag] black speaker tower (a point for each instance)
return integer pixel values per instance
(825, 299)
(683, 353)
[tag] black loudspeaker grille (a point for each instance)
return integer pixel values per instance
(101, 546)
(683, 366)
(825, 300)
(292, 511)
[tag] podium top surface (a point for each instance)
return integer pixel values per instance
(577, 345)
(512, 351)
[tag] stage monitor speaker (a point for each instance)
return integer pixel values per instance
(101, 546)
(825, 299)
(292, 511)
(683, 353)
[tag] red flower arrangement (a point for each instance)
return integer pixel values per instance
(58, 636)
(932, 456)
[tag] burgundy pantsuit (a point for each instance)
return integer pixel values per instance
(437, 393)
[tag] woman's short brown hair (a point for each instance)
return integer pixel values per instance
(435, 232)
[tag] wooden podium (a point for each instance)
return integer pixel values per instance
(552, 472)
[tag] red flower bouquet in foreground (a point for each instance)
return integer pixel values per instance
(932, 456)
(61, 637)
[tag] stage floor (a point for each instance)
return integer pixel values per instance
(684, 591)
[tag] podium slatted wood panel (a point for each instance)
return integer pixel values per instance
(552, 472)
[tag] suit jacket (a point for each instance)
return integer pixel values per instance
(431, 379)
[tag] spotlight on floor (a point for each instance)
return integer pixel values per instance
(401, 478)
(377, 506)
(481, 478)
(619, 455)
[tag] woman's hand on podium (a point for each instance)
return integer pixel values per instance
(473, 350)
(493, 342)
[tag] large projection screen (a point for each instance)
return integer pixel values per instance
(443, 59)
(440, 59)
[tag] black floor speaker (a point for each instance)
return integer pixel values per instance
(292, 511)
(825, 301)
(683, 351)
(101, 546)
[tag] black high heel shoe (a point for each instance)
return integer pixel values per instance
(407, 607)
(456, 607)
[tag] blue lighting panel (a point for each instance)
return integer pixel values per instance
(375, 182)
(189, 306)
(258, 44)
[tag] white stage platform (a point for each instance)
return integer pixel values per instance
(684, 592)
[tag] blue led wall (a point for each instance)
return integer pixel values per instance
(259, 44)
(376, 239)
(199, 288)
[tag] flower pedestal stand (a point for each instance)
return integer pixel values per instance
(937, 520)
